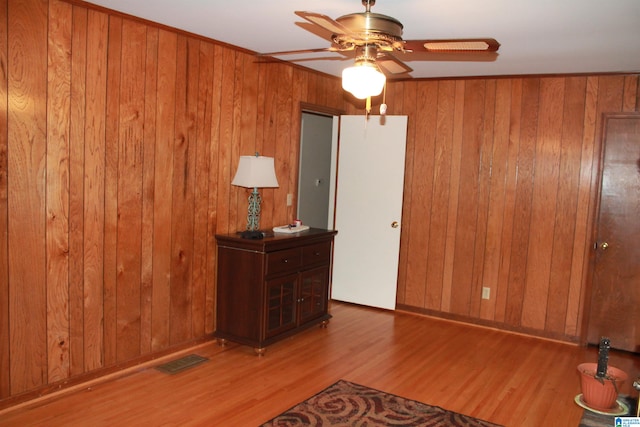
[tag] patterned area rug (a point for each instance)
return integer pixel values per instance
(348, 404)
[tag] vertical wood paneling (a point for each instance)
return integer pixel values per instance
(77, 126)
(452, 206)
(121, 142)
(27, 129)
(163, 188)
(511, 183)
(631, 94)
(543, 205)
(224, 137)
(396, 93)
(422, 160)
(129, 188)
(261, 97)
(313, 84)
(520, 171)
(269, 135)
(212, 217)
(148, 188)
(523, 206)
(5, 389)
(112, 131)
(468, 179)
(418, 206)
(246, 144)
(438, 216)
(298, 91)
(423, 191)
(182, 211)
(269, 127)
(280, 148)
(496, 196)
(483, 197)
(94, 191)
(201, 281)
(566, 206)
(57, 188)
(235, 132)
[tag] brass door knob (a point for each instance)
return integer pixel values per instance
(604, 246)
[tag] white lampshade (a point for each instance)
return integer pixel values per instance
(363, 80)
(255, 172)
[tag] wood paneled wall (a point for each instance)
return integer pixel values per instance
(499, 192)
(118, 142)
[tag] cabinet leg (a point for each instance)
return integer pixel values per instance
(324, 324)
(260, 351)
(221, 342)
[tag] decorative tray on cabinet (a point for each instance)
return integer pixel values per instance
(288, 229)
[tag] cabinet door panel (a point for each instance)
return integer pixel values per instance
(313, 293)
(280, 305)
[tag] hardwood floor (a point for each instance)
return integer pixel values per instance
(501, 377)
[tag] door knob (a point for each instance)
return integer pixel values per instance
(394, 224)
(603, 246)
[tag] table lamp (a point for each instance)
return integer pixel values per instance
(255, 172)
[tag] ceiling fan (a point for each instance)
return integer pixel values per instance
(372, 38)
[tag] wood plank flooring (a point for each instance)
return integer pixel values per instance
(505, 378)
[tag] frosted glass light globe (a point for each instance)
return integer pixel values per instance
(363, 80)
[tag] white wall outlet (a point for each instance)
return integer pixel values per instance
(289, 199)
(486, 293)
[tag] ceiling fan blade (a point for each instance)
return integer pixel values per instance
(451, 56)
(452, 45)
(392, 65)
(324, 21)
(294, 52)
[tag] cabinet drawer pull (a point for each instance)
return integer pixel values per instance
(285, 260)
(317, 253)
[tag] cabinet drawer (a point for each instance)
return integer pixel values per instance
(284, 261)
(319, 253)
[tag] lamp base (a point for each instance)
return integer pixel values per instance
(252, 234)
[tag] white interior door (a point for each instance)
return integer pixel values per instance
(369, 209)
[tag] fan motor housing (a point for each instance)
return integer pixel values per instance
(371, 27)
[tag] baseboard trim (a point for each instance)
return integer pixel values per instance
(569, 339)
(90, 379)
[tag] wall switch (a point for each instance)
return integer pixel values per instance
(486, 292)
(289, 199)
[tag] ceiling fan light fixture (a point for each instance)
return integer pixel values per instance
(363, 80)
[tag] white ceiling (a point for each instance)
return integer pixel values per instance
(536, 36)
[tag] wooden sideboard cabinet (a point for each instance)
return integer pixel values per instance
(271, 288)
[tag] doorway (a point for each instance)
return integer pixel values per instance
(367, 200)
(615, 296)
(317, 169)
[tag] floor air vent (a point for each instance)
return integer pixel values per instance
(181, 364)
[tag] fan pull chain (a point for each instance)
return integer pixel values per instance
(383, 106)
